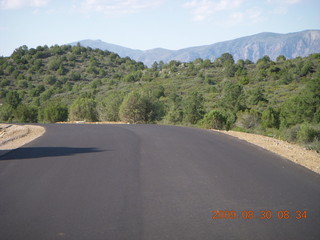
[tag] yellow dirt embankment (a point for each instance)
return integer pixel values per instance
(307, 158)
(15, 136)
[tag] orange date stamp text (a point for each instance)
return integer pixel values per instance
(261, 214)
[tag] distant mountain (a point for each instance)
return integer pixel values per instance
(253, 47)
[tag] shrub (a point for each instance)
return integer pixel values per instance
(193, 108)
(108, 108)
(215, 119)
(270, 118)
(290, 134)
(315, 145)
(307, 133)
(50, 79)
(54, 63)
(26, 114)
(248, 119)
(6, 113)
(140, 108)
(13, 99)
(175, 113)
(54, 112)
(83, 109)
(35, 92)
(4, 82)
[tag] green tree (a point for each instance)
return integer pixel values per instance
(19, 52)
(230, 70)
(108, 108)
(54, 63)
(248, 119)
(155, 66)
(133, 76)
(231, 96)
(4, 82)
(307, 133)
(37, 65)
(254, 96)
(6, 113)
(56, 50)
(140, 108)
(226, 59)
(46, 95)
(281, 58)
(62, 70)
(304, 107)
(83, 109)
(215, 119)
(240, 63)
(306, 68)
(193, 108)
(264, 63)
(54, 112)
(175, 111)
(270, 118)
(74, 76)
(35, 92)
(13, 99)
(26, 114)
(50, 79)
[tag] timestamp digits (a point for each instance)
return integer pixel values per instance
(262, 214)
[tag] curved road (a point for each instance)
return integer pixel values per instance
(152, 182)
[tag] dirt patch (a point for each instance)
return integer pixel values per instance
(15, 136)
(307, 158)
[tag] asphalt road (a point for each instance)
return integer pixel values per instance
(152, 182)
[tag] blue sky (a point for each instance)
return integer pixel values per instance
(147, 24)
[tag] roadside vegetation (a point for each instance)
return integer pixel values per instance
(278, 98)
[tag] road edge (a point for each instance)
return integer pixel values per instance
(307, 158)
(23, 134)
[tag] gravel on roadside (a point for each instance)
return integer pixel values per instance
(15, 136)
(307, 158)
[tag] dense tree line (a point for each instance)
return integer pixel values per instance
(64, 83)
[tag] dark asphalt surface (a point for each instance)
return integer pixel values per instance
(151, 182)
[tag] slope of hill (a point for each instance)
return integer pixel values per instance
(253, 47)
(279, 98)
(121, 51)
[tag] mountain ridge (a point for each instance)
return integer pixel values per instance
(252, 47)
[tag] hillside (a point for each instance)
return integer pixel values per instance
(253, 47)
(277, 98)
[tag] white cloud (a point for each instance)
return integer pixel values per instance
(255, 15)
(236, 18)
(248, 17)
(283, 2)
(202, 9)
(118, 6)
(280, 7)
(15, 4)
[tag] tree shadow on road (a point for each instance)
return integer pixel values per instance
(41, 152)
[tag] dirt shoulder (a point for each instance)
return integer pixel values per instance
(15, 136)
(307, 158)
